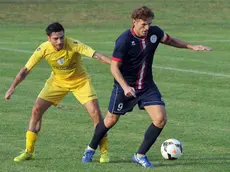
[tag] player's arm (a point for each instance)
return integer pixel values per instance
(18, 79)
(102, 58)
(120, 51)
(89, 52)
(178, 43)
(23, 73)
(115, 70)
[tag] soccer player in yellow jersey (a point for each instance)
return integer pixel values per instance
(68, 75)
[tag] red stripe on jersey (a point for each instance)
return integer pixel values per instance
(116, 59)
(138, 77)
(142, 70)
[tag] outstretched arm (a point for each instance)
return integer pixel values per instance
(101, 57)
(19, 78)
(168, 40)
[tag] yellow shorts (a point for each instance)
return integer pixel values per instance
(54, 91)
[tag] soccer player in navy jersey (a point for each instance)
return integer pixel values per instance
(131, 67)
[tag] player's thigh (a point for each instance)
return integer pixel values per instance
(84, 92)
(120, 104)
(52, 92)
(153, 103)
(151, 96)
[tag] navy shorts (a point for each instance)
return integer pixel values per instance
(120, 104)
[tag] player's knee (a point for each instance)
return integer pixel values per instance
(95, 112)
(110, 120)
(160, 122)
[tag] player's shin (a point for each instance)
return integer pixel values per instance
(99, 133)
(31, 138)
(150, 137)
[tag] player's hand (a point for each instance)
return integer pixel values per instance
(129, 91)
(200, 48)
(9, 93)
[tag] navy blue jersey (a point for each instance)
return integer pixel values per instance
(136, 56)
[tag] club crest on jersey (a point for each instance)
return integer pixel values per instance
(75, 42)
(38, 49)
(153, 39)
(61, 61)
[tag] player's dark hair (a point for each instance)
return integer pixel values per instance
(142, 13)
(54, 27)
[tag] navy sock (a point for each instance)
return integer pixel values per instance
(150, 137)
(99, 133)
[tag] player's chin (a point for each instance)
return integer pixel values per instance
(145, 33)
(59, 47)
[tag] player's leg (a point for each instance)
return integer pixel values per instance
(39, 125)
(158, 117)
(40, 106)
(154, 105)
(85, 94)
(50, 95)
(102, 128)
(100, 131)
(94, 111)
(157, 114)
(119, 105)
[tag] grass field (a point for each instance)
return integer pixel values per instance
(195, 85)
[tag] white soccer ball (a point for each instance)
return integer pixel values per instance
(171, 149)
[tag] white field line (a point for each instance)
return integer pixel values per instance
(110, 42)
(193, 71)
(15, 50)
(154, 66)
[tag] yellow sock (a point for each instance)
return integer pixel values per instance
(31, 138)
(104, 144)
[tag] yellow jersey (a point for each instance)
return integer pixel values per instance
(66, 64)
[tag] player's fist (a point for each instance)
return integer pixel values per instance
(9, 93)
(129, 91)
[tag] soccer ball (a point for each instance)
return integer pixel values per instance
(171, 149)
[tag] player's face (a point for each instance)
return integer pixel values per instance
(57, 40)
(141, 27)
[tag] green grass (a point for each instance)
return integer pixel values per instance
(197, 99)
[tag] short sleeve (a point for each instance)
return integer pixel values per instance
(83, 49)
(155, 30)
(159, 32)
(120, 49)
(35, 58)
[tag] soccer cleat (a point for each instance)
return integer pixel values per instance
(104, 157)
(142, 161)
(24, 156)
(88, 156)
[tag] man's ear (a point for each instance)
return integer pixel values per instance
(133, 21)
